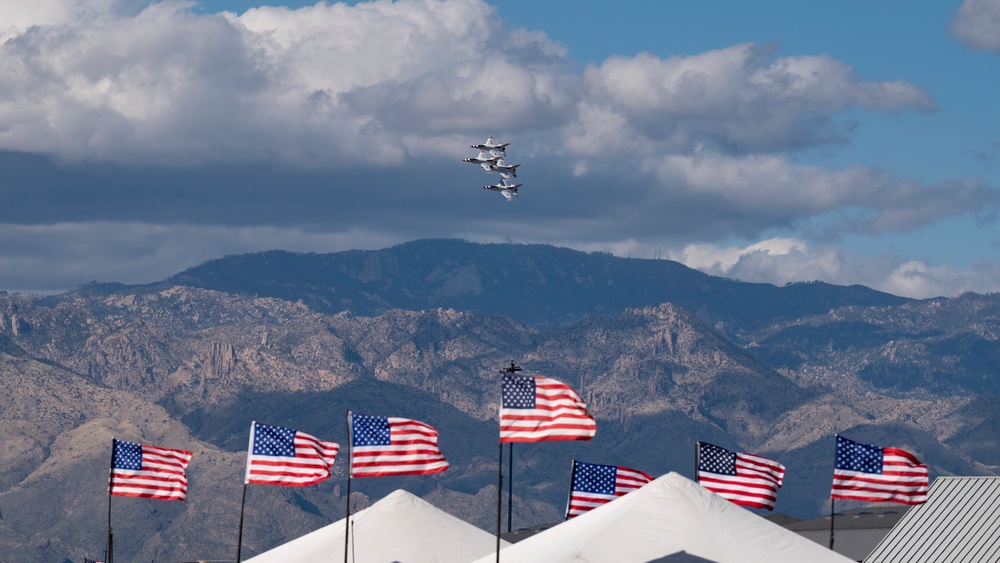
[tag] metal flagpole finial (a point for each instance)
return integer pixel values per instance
(513, 368)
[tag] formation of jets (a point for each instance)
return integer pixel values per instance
(491, 158)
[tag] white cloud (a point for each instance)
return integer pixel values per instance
(918, 279)
(600, 132)
(766, 191)
(778, 261)
(710, 258)
(324, 84)
(977, 24)
(739, 99)
(17, 16)
(376, 82)
(783, 260)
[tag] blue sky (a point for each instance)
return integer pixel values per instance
(775, 141)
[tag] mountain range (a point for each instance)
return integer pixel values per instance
(664, 356)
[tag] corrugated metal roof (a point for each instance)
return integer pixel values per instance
(959, 523)
(856, 531)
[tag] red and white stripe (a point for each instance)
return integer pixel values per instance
(413, 450)
(559, 414)
(313, 462)
(626, 481)
(755, 484)
(903, 480)
(163, 475)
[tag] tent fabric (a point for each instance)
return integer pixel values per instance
(399, 528)
(670, 520)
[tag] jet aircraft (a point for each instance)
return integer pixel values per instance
(506, 170)
(509, 191)
(496, 149)
(486, 162)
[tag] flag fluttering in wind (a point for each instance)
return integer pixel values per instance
(539, 409)
(88, 560)
(873, 474)
(281, 456)
(593, 485)
(140, 470)
(744, 479)
(388, 445)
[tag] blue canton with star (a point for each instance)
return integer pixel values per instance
(713, 459)
(370, 430)
(273, 441)
(594, 478)
(518, 391)
(853, 456)
(127, 455)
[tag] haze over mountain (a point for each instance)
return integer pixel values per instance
(664, 356)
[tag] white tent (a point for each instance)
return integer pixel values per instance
(401, 527)
(670, 520)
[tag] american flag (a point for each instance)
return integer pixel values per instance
(87, 560)
(139, 470)
(593, 485)
(745, 479)
(539, 409)
(874, 474)
(388, 445)
(281, 456)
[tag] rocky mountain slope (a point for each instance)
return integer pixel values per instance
(187, 366)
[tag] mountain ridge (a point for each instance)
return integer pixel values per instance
(540, 285)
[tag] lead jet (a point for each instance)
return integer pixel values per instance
(506, 170)
(496, 149)
(509, 191)
(486, 162)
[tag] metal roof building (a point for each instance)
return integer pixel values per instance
(856, 531)
(959, 523)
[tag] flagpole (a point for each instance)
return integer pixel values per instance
(246, 480)
(108, 550)
(572, 484)
(697, 458)
(350, 468)
(831, 523)
(510, 483)
(499, 497)
(347, 517)
(239, 540)
(513, 368)
(831, 492)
